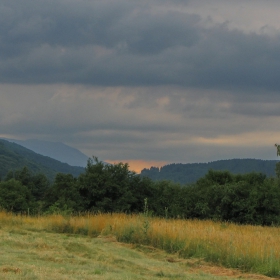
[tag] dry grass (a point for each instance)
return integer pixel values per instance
(248, 248)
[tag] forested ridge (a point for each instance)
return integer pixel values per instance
(14, 156)
(191, 172)
(250, 198)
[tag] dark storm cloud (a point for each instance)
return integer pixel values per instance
(130, 43)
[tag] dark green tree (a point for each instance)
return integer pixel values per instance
(38, 186)
(106, 187)
(23, 175)
(167, 199)
(143, 188)
(9, 175)
(277, 168)
(63, 195)
(15, 197)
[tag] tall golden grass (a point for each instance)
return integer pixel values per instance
(250, 248)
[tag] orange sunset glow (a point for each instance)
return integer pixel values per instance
(138, 165)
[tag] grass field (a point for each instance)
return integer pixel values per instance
(92, 247)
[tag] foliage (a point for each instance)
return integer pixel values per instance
(191, 172)
(249, 198)
(106, 188)
(14, 157)
(14, 196)
(63, 195)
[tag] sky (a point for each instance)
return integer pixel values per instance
(146, 83)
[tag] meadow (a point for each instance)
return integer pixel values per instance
(93, 247)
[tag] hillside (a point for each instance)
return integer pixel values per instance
(191, 172)
(55, 150)
(14, 156)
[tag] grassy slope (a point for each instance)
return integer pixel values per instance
(33, 248)
(27, 254)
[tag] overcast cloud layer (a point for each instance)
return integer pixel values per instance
(148, 82)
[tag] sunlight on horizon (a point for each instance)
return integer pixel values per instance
(139, 165)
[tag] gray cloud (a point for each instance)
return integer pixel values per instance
(131, 123)
(170, 81)
(127, 43)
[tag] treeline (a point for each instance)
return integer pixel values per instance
(189, 173)
(248, 198)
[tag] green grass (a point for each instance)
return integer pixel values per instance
(28, 254)
(86, 247)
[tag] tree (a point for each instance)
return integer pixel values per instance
(106, 187)
(143, 188)
(38, 186)
(277, 168)
(23, 175)
(167, 199)
(64, 194)
(14, 196)
(278, 149)
(9, 175)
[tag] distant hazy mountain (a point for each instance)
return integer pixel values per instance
(55, 150)
(14, 157)
(191, 172)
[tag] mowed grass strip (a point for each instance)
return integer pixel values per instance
(248, 248)
(43, 255)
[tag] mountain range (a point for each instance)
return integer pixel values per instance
(14, 157)
(191, 172)
(55, 150)
(53, 157)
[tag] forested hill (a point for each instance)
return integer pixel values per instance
(55, 150)
(14, 157)
(191, 172)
